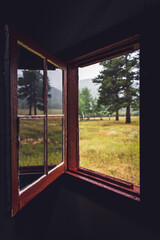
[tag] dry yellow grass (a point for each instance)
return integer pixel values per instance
(111, 147)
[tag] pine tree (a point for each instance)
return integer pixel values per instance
(119, 84)
(30, 88)
(111, 79)
(131, 86)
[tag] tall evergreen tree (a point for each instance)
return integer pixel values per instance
(111, 79)
(118, 87)
(30, 88)
(131, 86)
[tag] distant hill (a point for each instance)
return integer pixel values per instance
(90, 85)
(55, 101)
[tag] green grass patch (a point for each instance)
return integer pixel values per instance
(40, 112)
(31, 142)
(111, 147)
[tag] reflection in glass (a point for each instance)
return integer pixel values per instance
(31, 150)
(55, 90)
(55, 142)
(30, 83)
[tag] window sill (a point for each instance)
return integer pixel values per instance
(112, 184)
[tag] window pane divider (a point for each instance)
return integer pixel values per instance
(56, 115)
(45, 120)
(31, 116)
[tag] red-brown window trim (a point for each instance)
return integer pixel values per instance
(21, 198)
(116, 185)
(71, 137)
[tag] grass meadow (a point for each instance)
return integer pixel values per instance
(107, 146)
(111, 147)
(31, 142)
(39, 112)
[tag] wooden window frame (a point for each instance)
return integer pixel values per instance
(21, 198)
(116, 49)
(70, 164)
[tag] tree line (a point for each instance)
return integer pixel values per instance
(119, 88)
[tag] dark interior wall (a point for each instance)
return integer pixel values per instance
(69, 208)
(73, 210)
(58, 25)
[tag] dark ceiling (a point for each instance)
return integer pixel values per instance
(61, 25)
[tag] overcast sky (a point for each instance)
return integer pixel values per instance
(90, 71)
(93, 70)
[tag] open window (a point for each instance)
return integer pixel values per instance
(105, 147)
(46, 118)
(38, 118)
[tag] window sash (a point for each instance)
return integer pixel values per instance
(21, 198)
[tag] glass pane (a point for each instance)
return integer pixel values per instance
(30, 83)
(109, 117)
(55, 142)
(55, 90)
(31, 150)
